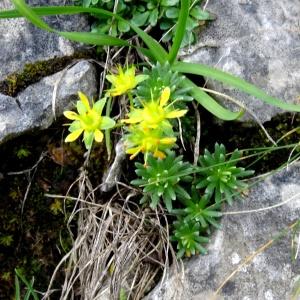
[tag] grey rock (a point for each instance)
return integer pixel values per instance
(258, 41)
(113, 174)
(271, 274)
(33, 108)
(22, 42)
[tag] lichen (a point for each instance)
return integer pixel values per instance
(33, 72)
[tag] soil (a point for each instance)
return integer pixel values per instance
(33, 232)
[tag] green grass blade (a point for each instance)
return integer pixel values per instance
(17, 288)
(180, 30)
(210, 104)
(93, 38)
(28, 285)
(156, 51)
(234, 81)
(28, 293)
(58, 10)
(31, 15)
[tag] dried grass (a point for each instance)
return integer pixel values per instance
(119, 246)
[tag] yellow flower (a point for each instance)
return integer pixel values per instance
(147, 141)
(88, 121)
(155, 112)
(124, 81)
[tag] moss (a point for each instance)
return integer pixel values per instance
(38, 238)
(33, 72)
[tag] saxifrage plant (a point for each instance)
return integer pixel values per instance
(161, 178)
(154, 133)
(161, 14)
(154, 52)
(188, 238)
(219, 175)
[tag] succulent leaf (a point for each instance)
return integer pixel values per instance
(219, 175)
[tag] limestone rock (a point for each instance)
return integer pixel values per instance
(270, 275)
(22, 42)
(33, 109)
(258, 41)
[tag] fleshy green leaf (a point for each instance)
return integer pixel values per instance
(139, 19)
(123, 26)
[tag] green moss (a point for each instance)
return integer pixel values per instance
(33, 72)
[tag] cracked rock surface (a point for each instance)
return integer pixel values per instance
(270, 275)
(33, 108)
(22, 42)
(258, 40)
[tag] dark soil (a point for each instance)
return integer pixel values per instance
(33, 234)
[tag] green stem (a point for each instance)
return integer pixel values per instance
(107, 131)
(130, 100)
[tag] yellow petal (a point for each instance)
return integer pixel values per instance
(114, 92)
(120, 70)
(134, 151)
(84, 100)
(111, 78)
(132, 120)
(71, 115)
(98, 136)
(159, 154)
(165, 95)
(176, 114)
(73, 135)
(130, 72)
(168, 141)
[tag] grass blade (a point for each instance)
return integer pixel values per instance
(28, 285)
(93, 38)
(180, 30)
(234, 81)
(155, 51)
(17, 288)
(31, 15)
(57, 10)
(210, 104)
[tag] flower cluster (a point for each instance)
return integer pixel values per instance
(149, 129)
(124, 82)
(88, 121)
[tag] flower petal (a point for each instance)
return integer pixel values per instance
(98, 136)
(114, 92)
(159, 154)
(176, 114)
(74, 135)
(88, 138)
(165, 95)
(75, 125)
(98, 105)
(130, 72)
(71, 115)
(134, 151)
(84, 100)
(168, 141)
(135, 116)
(81, 108)
(107, 123)
(111, 79)
(140, 78)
